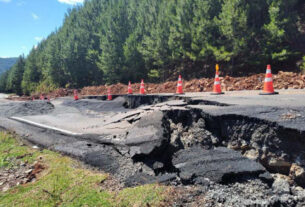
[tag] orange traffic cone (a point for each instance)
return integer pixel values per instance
(75, 95)
(179, 86)
(142, 88)
(129, 88)
(41, 97)
(109, 96)
(268, 83)
(217, 85)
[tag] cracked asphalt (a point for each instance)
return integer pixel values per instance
(103, 117)
(149, 143)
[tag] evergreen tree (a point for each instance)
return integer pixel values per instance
(3, 81)
(15, 76)
(32, 73)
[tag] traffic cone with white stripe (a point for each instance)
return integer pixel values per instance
(109, 96)
(268, 83)
(129, 88)
(217, 84)
(179, 86)
(75, 95)
(142, 88)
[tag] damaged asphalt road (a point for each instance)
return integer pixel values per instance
(197, 140)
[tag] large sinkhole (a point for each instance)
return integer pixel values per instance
(198, 145)
(189, 142)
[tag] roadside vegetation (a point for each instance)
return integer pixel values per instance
(110, 41)
(65, 182)
(303, 65)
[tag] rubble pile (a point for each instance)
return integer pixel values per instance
(61, 92)
(18, 175)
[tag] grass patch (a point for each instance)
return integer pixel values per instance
(13, 151)
(65, 182)
(141, 195)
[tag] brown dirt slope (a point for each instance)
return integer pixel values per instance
(282, 80)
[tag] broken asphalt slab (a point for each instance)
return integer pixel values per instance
(136, 143)
(148, 135)
(220, 165)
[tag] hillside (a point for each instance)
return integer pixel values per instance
(111, 41)
(6, 63)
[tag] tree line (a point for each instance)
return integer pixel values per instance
(110, 41)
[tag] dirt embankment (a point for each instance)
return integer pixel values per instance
(282, 80)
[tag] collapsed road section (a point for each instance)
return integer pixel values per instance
(254, 146)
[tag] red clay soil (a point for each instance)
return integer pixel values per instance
(282, 80)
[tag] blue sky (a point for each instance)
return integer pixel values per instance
(23, 23)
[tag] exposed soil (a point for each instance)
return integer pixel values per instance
(282, 80)
(19, 174)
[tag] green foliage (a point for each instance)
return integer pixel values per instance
(45, 86)
(109, 41)
(3, 81)
(11, 149)
(32, 73)
(303, 65)
(15, 76)
(281, 56)
(153, 75)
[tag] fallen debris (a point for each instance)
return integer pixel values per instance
(19, 175)
(290, 115)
